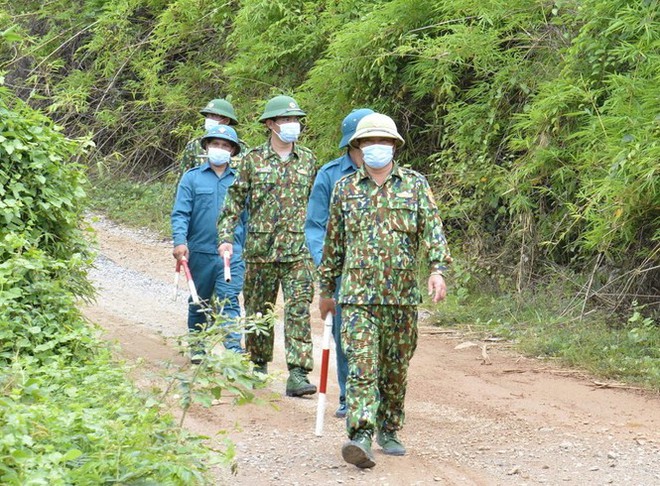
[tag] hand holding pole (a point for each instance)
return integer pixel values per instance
(183, 263)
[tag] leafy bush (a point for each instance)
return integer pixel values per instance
(589, 176)
(68, 414)
(85, 424)
(43, 250)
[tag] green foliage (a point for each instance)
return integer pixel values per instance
(536, 122)
(40, 189)
(590, 172)
(142, 205)
(68, 414)
(227, 374)
(42, 248)
(56, 431)
(277, 42)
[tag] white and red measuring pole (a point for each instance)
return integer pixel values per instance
(325, 358)
(183, 263)
(226, 258)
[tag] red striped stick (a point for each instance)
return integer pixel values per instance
(320, 409)
(191, 284)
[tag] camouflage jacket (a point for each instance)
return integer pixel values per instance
(191, 155)
(276, 193)
(373, 238)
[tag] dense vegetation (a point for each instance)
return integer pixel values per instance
(536, 121)
(67, 412)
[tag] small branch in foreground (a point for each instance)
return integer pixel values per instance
(600, 384)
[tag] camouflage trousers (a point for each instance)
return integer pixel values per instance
(262, 282)
(379, 341)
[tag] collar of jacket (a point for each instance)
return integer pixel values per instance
(346, 163)
(395, 172)
(207, 166)
(269, 152)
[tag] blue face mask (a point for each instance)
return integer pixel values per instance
(377, 156)
(289, 132)
(218, 156)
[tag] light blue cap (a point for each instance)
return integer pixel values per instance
(224, 132)
(349, 125)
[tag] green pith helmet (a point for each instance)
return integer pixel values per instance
(220, 107)
(281, 106)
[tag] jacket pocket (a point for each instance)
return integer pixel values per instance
(401, 215)
(204, 198)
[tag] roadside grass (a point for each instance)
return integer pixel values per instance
(137, 204)
(609, 347)
(622, 348)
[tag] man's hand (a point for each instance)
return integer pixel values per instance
(437, 288)
(180, 251)
(325, 306)
(226, 247)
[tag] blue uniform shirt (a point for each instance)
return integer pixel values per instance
(200, 198)
(319, 203)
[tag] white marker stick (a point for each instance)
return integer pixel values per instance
(227, 267)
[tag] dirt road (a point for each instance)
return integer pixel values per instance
(506, 421)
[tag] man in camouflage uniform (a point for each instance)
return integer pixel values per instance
(378, 217)
(274, 182)
(215, 112)
(317, 219)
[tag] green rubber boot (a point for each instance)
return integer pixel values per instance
(298, 385)
(260, 367)
(357, 451)
(390, 443)
(197, 353)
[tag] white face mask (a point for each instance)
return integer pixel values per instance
(289, 132)
(210, 122)
(377, 156)
(218, 156)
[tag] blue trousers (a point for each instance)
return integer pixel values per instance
(342, 361)
(208, 274)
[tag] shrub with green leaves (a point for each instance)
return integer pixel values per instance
(43, 250)
(588, 177)
(84, 424)
(68, 413)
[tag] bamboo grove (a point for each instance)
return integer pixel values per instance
(536, 121)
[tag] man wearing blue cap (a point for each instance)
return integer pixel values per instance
(317, 218)
(200, 198)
